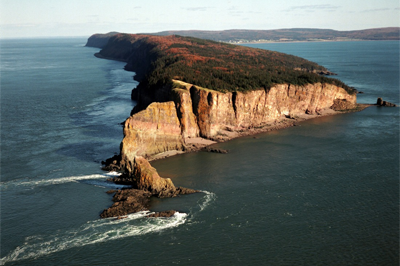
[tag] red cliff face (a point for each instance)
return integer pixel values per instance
(199, 112)
(151, 131)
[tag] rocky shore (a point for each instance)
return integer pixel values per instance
(173, 117)
(145, 183)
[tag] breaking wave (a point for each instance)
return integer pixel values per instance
(95, 179)
(101, 230)
(93, 232)
(210, 197)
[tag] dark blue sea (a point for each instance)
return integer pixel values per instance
(322, 193)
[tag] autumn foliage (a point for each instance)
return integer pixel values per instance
(213, 65)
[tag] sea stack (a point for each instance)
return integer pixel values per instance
(381, 102)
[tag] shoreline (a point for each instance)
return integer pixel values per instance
(135, 199)
(303, 41)
(98, 55)
(199, 143)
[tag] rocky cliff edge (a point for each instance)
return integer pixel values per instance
(253, 90)
(195, 112)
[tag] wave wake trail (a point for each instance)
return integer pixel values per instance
(55, 181)
(93, 232)
(210, 197)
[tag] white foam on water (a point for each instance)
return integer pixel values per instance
(62, 180)
(210, 197)
(93, 232)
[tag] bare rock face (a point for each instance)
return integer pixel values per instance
(141, 175)
(342, 104)
(200, 112)
(146, 183)
(146, 177)
(184, 109)
(151, 131)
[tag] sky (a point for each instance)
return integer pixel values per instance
(53, 18)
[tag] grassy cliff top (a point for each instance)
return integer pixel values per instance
(214, 65)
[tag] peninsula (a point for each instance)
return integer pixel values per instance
(194, 92)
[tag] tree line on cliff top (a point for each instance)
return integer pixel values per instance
(225, 67)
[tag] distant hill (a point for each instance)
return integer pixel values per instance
(285, 35)
(281, 35)
(100, 40)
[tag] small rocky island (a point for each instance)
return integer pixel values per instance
(145, 183)
(381, 102)
(194, 92)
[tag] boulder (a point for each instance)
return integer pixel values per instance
(381, 102)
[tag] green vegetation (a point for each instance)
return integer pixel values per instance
(209, 64)
(224, 67)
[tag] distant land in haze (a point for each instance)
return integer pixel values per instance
(290, 35)
(280, 35)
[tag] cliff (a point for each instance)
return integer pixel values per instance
(152, 131)
(99, 40)
(199, 112)
(192, 89)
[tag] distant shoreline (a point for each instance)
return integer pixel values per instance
(307, 41)
(240, 36)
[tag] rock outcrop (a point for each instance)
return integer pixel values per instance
(145, 183)
(200, 112)
(195, 112)
(127, 201)
(381, 102)
(141, 175)
(151, 131)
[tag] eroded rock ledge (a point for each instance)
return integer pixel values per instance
(199, 113)
(146, 183)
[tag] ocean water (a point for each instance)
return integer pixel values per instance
(322, 193)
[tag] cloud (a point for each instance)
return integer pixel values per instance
(381, 9)
(311, 8)
(19, 25)
(199, 8)
(235, 12)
